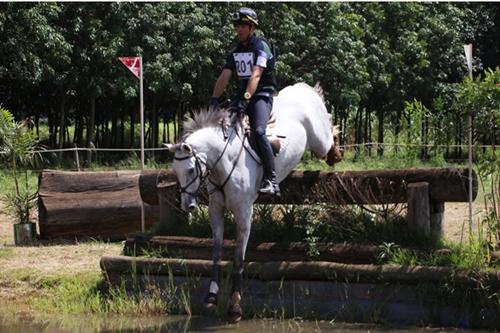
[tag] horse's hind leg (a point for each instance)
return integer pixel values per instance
(242, 217)
(216, 215)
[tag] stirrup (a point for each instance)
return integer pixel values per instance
(267, 187)
(276, 188)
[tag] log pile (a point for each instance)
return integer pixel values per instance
(91, 204)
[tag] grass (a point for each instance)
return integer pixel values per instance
(90, 293)
(6, 252)
(472, 256)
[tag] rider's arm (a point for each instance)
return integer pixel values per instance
(222, 82)
(254, 79)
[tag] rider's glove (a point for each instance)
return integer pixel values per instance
(214, 103)
(239, 106)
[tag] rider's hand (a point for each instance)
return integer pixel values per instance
(239, 106)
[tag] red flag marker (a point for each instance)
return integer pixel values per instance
(133, 64)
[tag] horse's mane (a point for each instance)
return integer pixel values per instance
(317, 89)
(206, 118)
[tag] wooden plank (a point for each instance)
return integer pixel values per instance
(350, 187)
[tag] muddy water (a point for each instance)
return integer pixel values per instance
(20, 323)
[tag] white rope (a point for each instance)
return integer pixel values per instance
(367, 144)
(98, 149)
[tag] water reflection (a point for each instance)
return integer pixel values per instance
(22, 323)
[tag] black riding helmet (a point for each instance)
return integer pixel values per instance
(245, 16)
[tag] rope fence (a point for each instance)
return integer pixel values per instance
(367, 144)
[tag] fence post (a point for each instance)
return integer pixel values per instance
(77, 158)
(418, 215)
(171, 216)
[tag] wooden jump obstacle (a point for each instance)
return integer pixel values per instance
(341, 283)
(424, 190)
(107, 204)
(90, 204)
(411, 295)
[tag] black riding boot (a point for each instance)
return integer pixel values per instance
(269, 183)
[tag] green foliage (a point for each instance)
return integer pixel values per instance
(59, 58)
(481, 99)
(18, 150)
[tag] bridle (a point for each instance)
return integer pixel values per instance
(198, 162)
(203, 176)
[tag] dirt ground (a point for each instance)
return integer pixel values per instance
(45, 259)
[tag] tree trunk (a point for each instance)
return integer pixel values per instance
(90, 126)
(52, 127)
(366, 133)
(358, 120)
(62, 111)
(165, 135)
(122, 130)
(154, 127)
(132, 136)
(380, 133)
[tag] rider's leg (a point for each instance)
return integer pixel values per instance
(259, 112)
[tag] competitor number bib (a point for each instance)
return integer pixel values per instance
(243, 63)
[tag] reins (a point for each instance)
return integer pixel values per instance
(203, 176)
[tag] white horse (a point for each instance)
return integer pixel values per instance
(214, 149)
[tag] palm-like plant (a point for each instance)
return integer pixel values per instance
(18, 151)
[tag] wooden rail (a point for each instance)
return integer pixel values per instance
(424, 190)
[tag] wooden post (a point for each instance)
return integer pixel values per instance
(418, 216)
(437, 214)
(171, 215)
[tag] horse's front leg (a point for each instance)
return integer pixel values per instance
(216, 215)
(243, 217)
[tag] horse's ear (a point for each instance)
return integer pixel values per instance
(171, 146)
(186, 148)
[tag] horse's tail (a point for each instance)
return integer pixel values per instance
(319, 90)
(335, 130)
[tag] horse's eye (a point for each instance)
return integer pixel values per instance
(190, 171)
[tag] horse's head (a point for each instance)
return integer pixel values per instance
(191, 170)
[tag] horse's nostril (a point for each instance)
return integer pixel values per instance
(191, 208)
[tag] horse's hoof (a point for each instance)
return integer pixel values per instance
(234, 314)
(210, 302)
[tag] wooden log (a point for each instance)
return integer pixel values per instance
(201, 248)
(350, 187)
(311, 270)
(91, 204)
(164, 266)
(418, 215)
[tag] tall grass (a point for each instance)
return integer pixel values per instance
(93, 294)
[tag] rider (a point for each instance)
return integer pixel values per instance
(254, 62)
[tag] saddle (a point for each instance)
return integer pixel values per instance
(274, 139)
